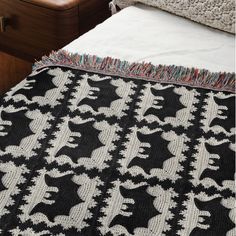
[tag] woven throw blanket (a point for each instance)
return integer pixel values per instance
(102, 147)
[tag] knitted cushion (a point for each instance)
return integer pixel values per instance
(219, 14)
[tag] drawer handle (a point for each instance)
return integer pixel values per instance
(3, 23)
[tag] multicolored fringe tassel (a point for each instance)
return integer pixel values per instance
(220, 81)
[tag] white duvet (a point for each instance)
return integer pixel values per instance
(140, 33)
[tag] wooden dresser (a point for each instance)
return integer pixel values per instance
(32, 28)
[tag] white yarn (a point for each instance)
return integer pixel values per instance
(112, 6)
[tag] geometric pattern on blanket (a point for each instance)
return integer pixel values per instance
(84, 153)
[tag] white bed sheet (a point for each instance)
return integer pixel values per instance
(140, 33)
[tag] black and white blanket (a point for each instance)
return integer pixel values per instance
(88, 152)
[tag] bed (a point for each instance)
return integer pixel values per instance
(128, 130)
(156, 36)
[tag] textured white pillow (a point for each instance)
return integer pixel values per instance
(219, 14)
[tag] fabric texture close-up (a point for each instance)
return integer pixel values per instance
(93, 146)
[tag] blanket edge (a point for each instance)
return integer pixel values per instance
(193, 77)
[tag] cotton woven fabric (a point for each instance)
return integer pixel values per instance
(219, 14)
(89, 153)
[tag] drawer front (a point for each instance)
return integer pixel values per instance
(92, 12)
(32, 31)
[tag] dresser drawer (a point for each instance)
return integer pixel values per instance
(32, 30)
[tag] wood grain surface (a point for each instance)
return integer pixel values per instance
(33, 31)
(12, 71)
(91, 13)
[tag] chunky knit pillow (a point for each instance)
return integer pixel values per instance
(219, 14)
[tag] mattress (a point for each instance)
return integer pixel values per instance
(141, 33)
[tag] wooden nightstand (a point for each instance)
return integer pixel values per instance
(32, 28)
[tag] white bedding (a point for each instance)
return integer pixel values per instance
(140, 33)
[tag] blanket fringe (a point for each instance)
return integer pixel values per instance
(220, 81)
